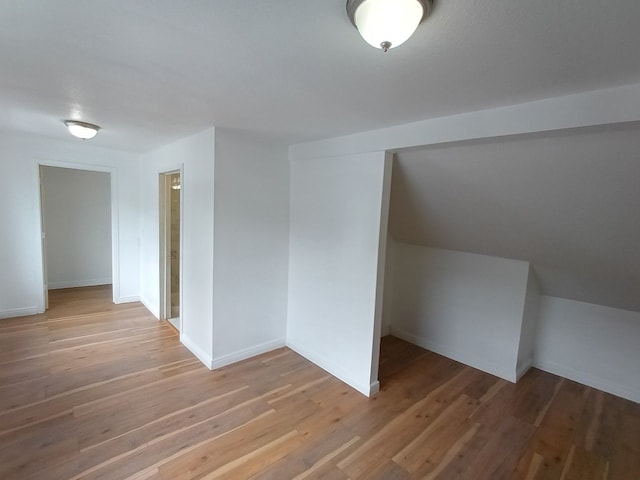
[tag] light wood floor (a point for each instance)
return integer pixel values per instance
(94, 390)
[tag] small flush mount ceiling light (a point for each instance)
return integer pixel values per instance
(82, 130)
(386, 24)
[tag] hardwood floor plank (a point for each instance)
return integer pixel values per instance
(33, 450)
(245, 466)
(19, 394)
(441, 432)
(403, 428)
(321, 462)
(226, 449)
(93, 390)
(389, 470)
(499, 456)
(177, 443)
(23, 370)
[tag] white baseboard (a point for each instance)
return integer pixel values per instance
(155, 311)
(508, 374)
(130, 299)
(20, 312)
(196, 350)
(524, 368)
(321, 361)
(79, 283)
(240, 355)
(588, 379)
(374, 388)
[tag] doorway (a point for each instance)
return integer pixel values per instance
(170, 247)
(76, 225)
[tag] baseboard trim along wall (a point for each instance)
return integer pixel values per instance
(238, 356)
(320, 361)
(374, 388)
(79, 283)
(20, 312)
(152, 308)
(197, 351)
(588, 379)
(129, 300)
(458, 356)
(524, 368)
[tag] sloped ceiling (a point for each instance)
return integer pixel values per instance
(567, 201)
(152, 71)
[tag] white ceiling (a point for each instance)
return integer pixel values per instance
(567, 201)
(152, 71)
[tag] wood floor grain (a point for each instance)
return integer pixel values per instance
(93, 390)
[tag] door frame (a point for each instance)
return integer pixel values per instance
(164, 263)
(115, 251)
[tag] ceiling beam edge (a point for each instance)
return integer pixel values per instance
(598, 107)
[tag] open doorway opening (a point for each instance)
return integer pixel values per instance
(170, 250)
(76, 216)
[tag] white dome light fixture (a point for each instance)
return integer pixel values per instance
(82, 130)
(386, 24)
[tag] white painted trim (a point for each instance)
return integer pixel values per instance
(21, 312)
(374, 388)
(524, 368)
(115, 235)
(197, 351)
(584, 378)
(115, 214)
(336, 371)
(383, 235)
(80, 283)
(458, 356)
(155, 311)
(164, 191)
(247, 353)
(131, 299)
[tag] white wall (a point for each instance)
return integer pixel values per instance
(600, 107)
(529, 323)
(465, 306)
(591, 344)
(251, 246)
(21, 281)
(387, 300)
(234, 246)
(337, 224)
(195, 156)
(77, 219)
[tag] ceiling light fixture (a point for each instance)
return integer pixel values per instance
(82, 130)
(386, 24)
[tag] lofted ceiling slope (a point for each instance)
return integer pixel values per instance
(152, 71)
(566, 201)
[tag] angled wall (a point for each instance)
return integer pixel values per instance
(529, 324)
(464, 306)
(338, 226)
(591, 344)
